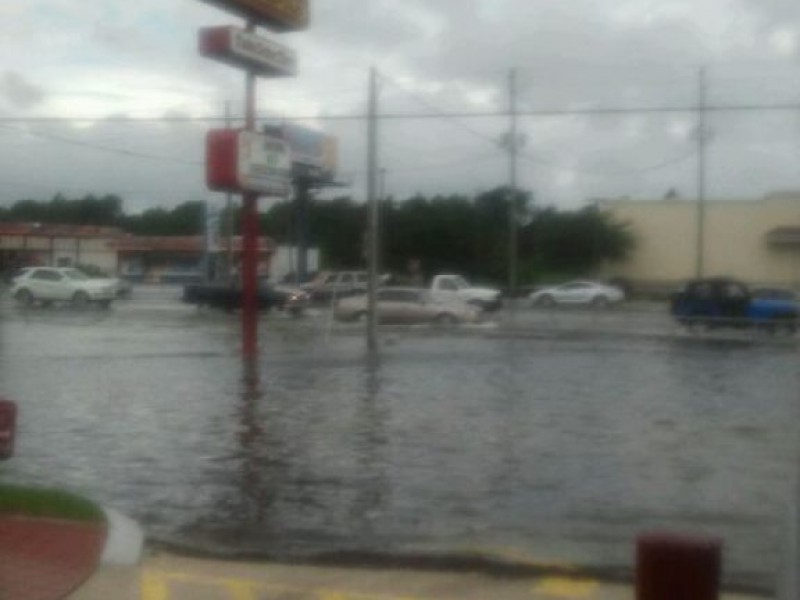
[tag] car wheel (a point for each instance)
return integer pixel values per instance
(545, 301)
(80, 299)
(600, 302)
(24, 297)
(445, 319)
(105, 304)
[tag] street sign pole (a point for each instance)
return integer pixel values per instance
(250, 234)
(243, 161)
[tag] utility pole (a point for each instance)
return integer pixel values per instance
(372, 209)
(228, 225)
(701, 174)
(250, 234)
(513, 150)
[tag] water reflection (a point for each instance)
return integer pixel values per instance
(370, 445)
(252, 445)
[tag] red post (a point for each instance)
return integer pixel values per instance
(250, 235)
(670, 566)
(8, 428)
(250, 276)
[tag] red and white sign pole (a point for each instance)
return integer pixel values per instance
(250, 231)
(248, 162)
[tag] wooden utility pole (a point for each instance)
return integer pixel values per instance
(701, 175)
(373, 210)
(513, 150)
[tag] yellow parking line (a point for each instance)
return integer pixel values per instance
(332, 596)
(562, 587)
(240, 590)
(153, 586)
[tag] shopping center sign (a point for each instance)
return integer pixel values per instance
(246, 161)
(239, 48)
(279, 15)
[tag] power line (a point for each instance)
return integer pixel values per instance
(109, 149)
(441, 113)
(613, 172)
(542, 112)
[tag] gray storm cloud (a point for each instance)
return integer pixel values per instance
(19, 92)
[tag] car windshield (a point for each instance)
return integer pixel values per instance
(75, 274)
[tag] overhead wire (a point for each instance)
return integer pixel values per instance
(612, 172)
(105, 148)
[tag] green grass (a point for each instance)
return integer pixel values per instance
(48, 504)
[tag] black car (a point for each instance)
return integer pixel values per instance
(229, 297)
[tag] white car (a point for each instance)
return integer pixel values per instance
(407, 305)
(50, 284)
(589, 293)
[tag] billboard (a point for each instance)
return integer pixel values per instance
(246, 161)
(279, 15)
(237, 47)
(315, 155)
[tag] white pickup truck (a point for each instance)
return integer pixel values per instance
(453, 287)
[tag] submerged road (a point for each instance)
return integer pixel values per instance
(552, 437)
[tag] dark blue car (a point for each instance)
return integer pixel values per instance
(722, 302)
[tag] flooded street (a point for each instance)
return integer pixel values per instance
(517, 441)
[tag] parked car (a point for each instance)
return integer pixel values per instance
(408, 306)
(576, 293)
(448, 287)
(724, 302)
(49, 284)
(229, 297)
(123, 287)
(338, 284)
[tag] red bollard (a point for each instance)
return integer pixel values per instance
(671, 566)
(8, 428)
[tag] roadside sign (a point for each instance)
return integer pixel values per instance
(255, 53)
(246, 161)
(314, 153)
(279, 15)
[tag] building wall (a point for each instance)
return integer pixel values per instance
(284, 262)
(735, 240)
(63, 251)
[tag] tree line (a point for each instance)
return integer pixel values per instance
(465, 234)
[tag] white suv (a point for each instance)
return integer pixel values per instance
(48, 284)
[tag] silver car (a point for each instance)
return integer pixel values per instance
(50, 284)
(408, 306)
(588, 293)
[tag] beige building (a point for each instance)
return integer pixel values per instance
(757, 241)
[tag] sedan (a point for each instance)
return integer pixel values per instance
(587, 293)
(49, 284)
(407, 306)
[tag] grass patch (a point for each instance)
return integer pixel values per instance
(47, 504)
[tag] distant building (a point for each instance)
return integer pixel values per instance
(757, 241)
(156, 259)
(23, 244)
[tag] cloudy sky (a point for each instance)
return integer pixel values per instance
(71, 69)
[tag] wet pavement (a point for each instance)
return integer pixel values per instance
(546, 438)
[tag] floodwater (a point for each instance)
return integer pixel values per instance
(548, 447)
